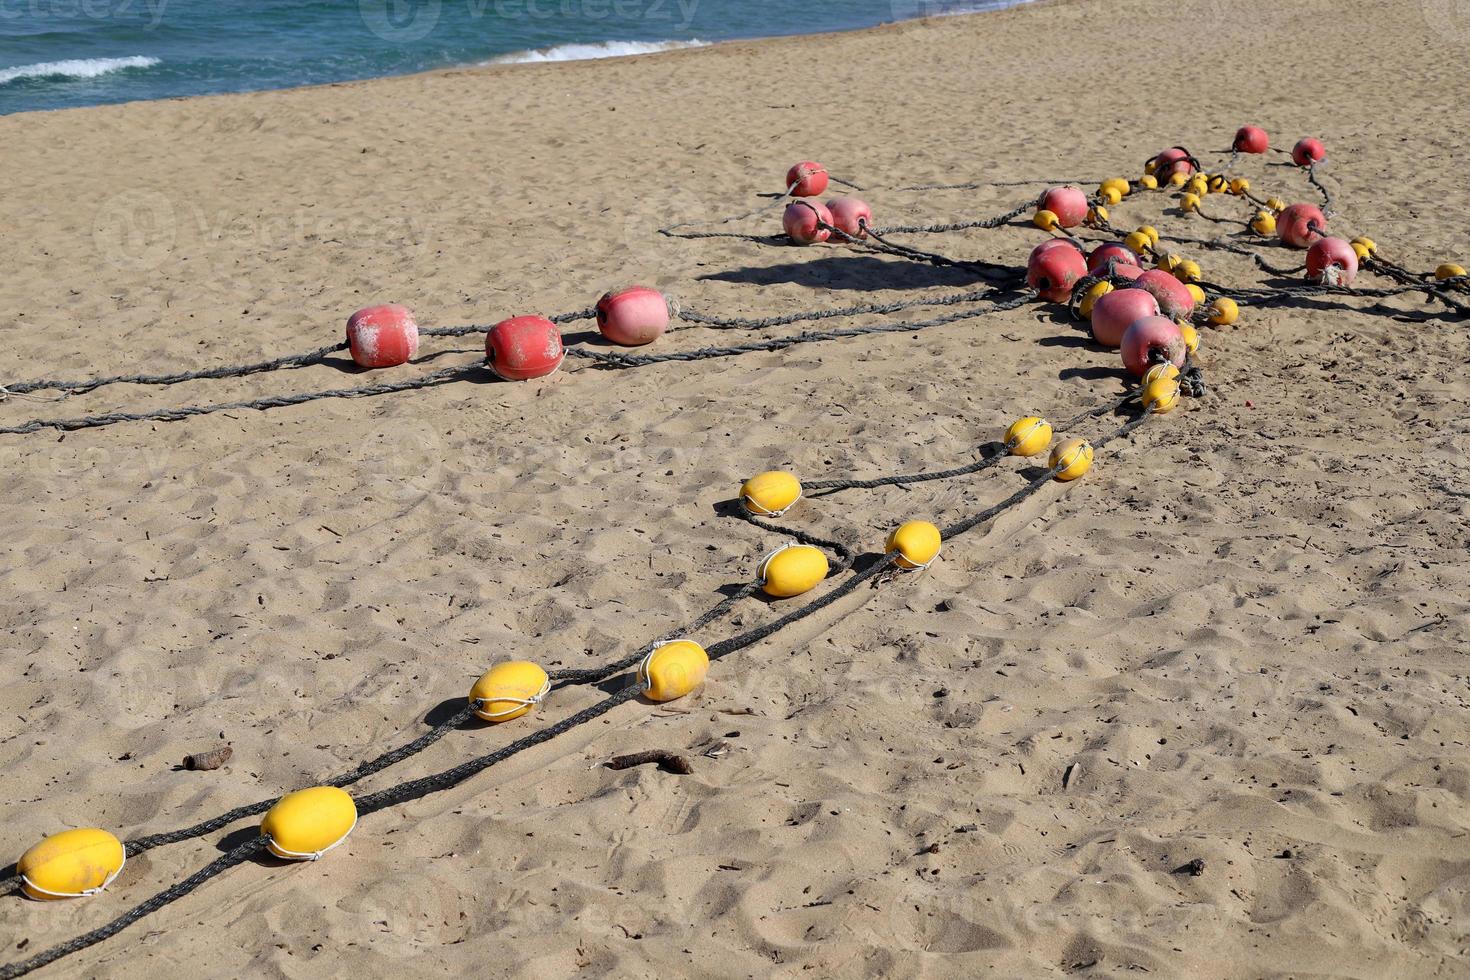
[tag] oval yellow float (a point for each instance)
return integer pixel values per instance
(770, 494)
(308, 823)
(1223, 311)
(1161, 395)
(71, 864)
(671, 670)
(509, 690)
(917, 544)
(791, 570)
(1028, 436)
(1157, 371)
(1071, 459)
(1190, 333)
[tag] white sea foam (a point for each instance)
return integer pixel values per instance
(586, 52)
(78, 68)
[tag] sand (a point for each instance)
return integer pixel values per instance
(1240, 639)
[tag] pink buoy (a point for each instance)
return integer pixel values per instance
(1110, 253)
(803, 221)
(524, 347)
(1052, 243)
(1300, 225)
(853, 217)
(633, 316)
(1251, 139)
(1173, 296)
(1332, 261)
(1069, 204)
(1173, 160)
(1115, 312)
(1149, 338)
(383, 336)
(809, 179)
(1308, 151)
(1054, 272)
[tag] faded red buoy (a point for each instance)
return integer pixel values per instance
(1052, 243)
(851, 216)
(524, 347)
(633, 316)
(1149, 338)
(1301, 224)
(382, 336)
(1173, 160)
(1110, 252)
(1054, 272)
(1115, 312)
(1069, 204)
(1308, 151)
(803, 221)
(1332, 261)
(809, 178)
(1173, 296)
(1251, 139)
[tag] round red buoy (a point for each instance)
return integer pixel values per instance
(524, 347)
(851, 216)
(1301, 224)
(382, 336)
(1115, 312)
(1054, 272)
(1110, 253)
(633, 316)
(1151, 337)
(1308, 151)
(1251, 139)
(1173, 160)
(1053, 243)
(1332, 261)
(1069, 204)
(1173, 296)
(803, 221)
(809, 178)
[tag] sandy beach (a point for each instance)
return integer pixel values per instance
(1239, 639)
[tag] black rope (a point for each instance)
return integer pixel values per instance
(723, 323)
(226, 371)
(995, 222)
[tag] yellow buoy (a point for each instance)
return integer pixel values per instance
(1137, 243)
(1046, 219)
(1169, 262)
(673, 669)
(1028, 436)
(308, 823)
(71, 864)
(1097, 216)
(1217, 184)
(1148, 182)
(1178, 179)
(1361, 251)
(1161, 395)
(1275, 204)
(1196, 292)
(1369, 245)
(1190, 335)
(770, 494)
(1224, 311)
(917, 544)
(1118, 184)
(1448, 270)
(1189, 271)
(1157, 371)
(1089, 299)
(1240, 186)
(1111, 195)
(1151, 232)
(1197, 185)
(1189, 202)
(791, 570)
(509, 690)
(1071, 459)
(1150, 167)
(1264, 223)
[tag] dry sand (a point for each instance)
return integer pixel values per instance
(1246, 628)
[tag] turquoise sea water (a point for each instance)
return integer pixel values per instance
(61, 53)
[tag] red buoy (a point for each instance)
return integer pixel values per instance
(1052, 243)
(1251, 139)
(524, 347)
(851, 215)
(1149, 338)
(1173, 296)
(1300, 225)
(633, 316)
(1054, 272)
(1110, 252)
(1069, 204)
(1308, 151)
(1115, 312)
(1173, 160)
(803, 221)
(382, 336)
(1332, 261)
(809, 178)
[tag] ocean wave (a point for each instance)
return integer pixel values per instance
(587, 52)
(78, 68)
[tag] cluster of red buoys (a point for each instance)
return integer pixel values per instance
(811, 222)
